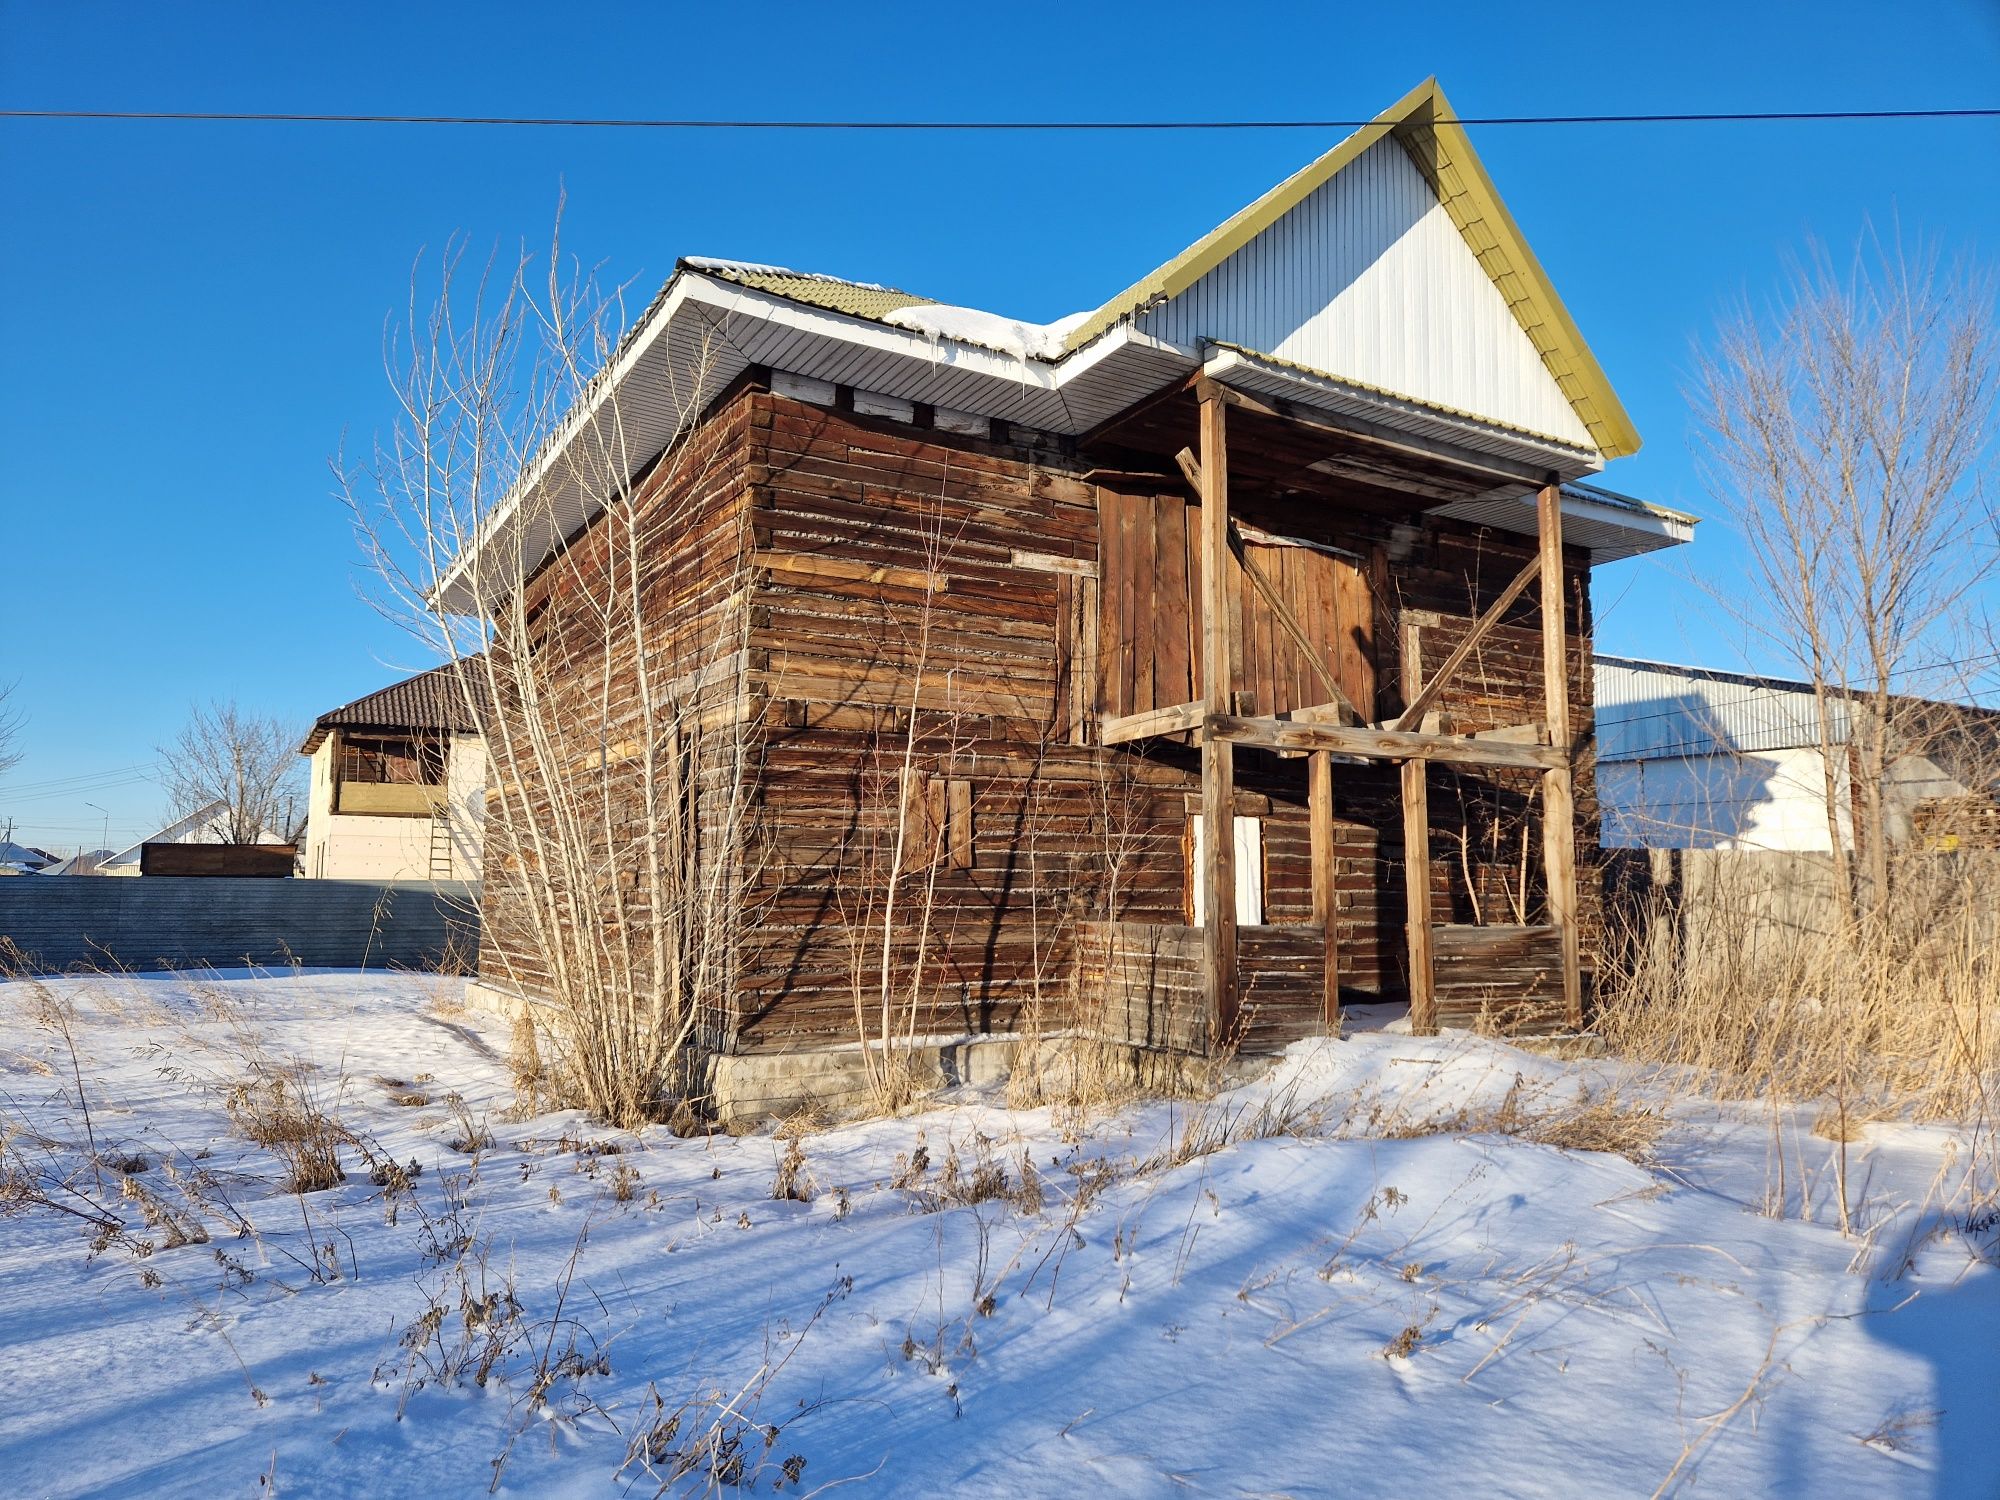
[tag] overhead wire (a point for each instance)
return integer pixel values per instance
(608, 122)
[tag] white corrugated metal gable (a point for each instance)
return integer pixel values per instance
(1368, 279)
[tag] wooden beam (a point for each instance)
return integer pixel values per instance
(1558, 787)
(1410, 658)
(1175, 719)
(1218, 756)
(1190, 471)
(1379, 744)
(1417, 897)
(1514, 734)
(1324, 882)
(1413, 712)
(1374, 434)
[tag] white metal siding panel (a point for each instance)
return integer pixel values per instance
(1651, 712)
(1369, 279)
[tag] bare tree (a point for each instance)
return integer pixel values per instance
(608, 668)
(248, 762)
(1847, 432)
(10, 729)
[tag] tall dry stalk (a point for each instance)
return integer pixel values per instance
(528, 519)
(887, 895)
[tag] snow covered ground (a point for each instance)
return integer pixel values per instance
(1300, 1288)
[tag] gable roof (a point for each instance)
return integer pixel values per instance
(1521, 385)
(436, 699)
(1425, 125)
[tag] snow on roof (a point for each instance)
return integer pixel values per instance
(968, 325)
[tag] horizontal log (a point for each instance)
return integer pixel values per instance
(1153, 722)
(851, 572)
(1381, 744)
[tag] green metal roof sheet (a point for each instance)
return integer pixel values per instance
(857, 299)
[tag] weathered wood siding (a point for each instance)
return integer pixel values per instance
(921, 614)
(1141, 983)
(690, 535)
(1150, 614)
(928, 635)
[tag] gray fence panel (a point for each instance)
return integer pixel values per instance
(61, 922)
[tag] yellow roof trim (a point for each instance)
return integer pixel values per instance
(1424, 123)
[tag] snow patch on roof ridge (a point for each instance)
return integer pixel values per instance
(969, 325)
(760, 268)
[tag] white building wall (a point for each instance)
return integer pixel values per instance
(1772, 799)
(1370, 280)
(352, 846)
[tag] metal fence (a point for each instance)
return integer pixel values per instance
(184, 922)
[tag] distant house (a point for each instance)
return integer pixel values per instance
(1694, 758)
(83, 862)
(398, 784)
(205, 825)
(23, 859)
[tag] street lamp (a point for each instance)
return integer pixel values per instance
(106, 844)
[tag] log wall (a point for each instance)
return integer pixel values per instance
(926, 646)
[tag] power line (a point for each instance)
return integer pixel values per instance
(83, 781)
(587, 122)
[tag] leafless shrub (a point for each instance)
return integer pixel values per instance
(712, 1441)
(793, 1184)
(281, 1110)
(469, 1134)
(617, 818)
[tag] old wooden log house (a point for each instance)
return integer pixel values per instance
(1226, 647)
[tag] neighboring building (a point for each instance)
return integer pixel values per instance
(22, 859)
(398, 784)
(1693, 758)
(83, 862)
(1114, 625)
(205, 825)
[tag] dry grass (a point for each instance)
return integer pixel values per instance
(1898, 1017)
(281, 1110)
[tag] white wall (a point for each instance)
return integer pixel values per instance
(1369, 279)
(1774, 799)
(351, 846)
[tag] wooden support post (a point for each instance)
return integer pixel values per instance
(1417, 897)
(1319, 803)
(1218, 762)
(1558, 785)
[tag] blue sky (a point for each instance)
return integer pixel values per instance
(191, 316)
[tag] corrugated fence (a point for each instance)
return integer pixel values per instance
(61, 922)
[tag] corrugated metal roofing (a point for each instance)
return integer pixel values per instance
(1422, 123)
(436, 699)
(1651, 710)
(858, 299)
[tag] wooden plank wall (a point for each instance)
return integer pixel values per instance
(919, 606)
(1150, 615)
(1502, 978)
(1141, 983)
(691, 530)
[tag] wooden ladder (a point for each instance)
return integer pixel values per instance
(441, 844)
